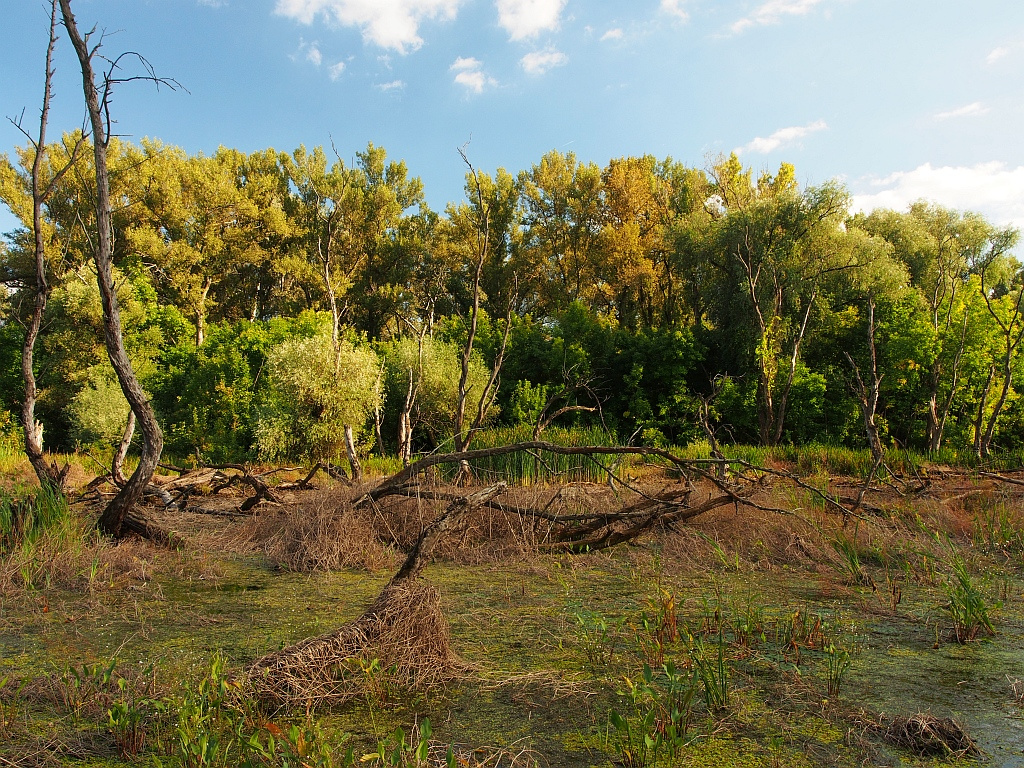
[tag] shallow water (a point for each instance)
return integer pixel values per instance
(972, 683)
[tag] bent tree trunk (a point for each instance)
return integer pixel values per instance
(112, 520)
(404, 628)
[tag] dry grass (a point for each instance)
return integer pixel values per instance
(323, 533)
(923, 734)
(73, 556)
(403, 635)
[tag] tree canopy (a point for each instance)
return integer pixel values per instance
(269, 298)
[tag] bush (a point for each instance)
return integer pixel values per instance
(315, 391)
(438, 375)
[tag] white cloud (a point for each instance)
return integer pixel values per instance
(388, 23)
(527, 18)
(675, 8)
(539, 62)
(996, 54)
(781, 138)
(313, 55)
(335, 70)
(772, 12)
(213, 3)
(968, 110)
(992, 189)
(470, 74)
(394, 85)
(612, 34)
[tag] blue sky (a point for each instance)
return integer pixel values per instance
(900, 99)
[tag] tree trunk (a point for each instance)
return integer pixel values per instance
(353, 457)
(112, 520)
(48, 474)
(201, 312)
(405, 423)
(979, 420)
(116, 465)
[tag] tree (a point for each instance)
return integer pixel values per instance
(563, 217)
(777, 246)
(113, 519)
(202, 229)
(422, 384)
(635, 262)
(1002, 288)
(939, 248)
(318, 388)
(349, 223)
(48, 474)
(479, 248)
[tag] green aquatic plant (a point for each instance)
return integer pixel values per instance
(838, 663)
(654, 731)
(713, 668)
(24, 517)
(967, 605)
(597, 636)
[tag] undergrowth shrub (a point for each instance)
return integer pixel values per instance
(25, 517)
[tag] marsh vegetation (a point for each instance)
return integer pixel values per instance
(770, 631)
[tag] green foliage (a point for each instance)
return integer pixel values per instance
(400, 749)
(837, 665)
(435, 370)
(11, 439)
(99, 411)
(527, 469)
(26, 516)
(968, 607)
(314, 391)
(654, 729)
(645, 289)
(206, 397)
(712, 668)
(216, 726)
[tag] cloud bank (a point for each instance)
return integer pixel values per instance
(527, 18)
(539, 62)
(783, 137)
(469, 73)
(772, 12)
(392, 24)
(968, 110)
(993, 189)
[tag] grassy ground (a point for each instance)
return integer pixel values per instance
(745, 638)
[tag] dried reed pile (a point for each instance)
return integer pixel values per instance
(923, 734)
(404, 629)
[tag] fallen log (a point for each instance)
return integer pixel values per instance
(403, 629)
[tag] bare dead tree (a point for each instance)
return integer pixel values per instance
(464, 431)
(406, 422)
(572, 385)
(867, 393)
(97, 101)
(48, 473)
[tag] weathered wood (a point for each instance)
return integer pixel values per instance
(117, 463)
(353, 457)
(112, 520)
(451, 521)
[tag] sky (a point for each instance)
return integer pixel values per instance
(898, 99)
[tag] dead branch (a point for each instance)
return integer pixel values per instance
(403, 627)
